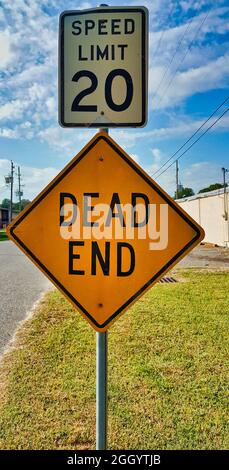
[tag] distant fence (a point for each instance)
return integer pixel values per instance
(210, 210)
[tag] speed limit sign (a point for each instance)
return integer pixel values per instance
(103, 66)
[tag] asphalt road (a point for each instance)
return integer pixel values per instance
(21, 285)
(205, 256)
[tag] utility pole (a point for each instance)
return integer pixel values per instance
(225, 170)
(11, 190)
(101, 381)
(20, 193)
(177, 178)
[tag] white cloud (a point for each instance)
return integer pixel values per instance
(9, 133)
(201, 174)
(135, 158)
(195, 176)
(12, 110)
(156, 154)
(180, 128)
(185, 58)
(6, 54)
(28, 57)
(187, 5)
(29, 87)
(157, 159)
(211, 76)
(68, 141)
(216, 23)
(34, 179)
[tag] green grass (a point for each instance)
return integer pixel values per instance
(168, 363)
(3, 235)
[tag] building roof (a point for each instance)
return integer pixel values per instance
(215, 192)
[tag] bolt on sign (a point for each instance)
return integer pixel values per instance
(104, 232)
(103, 64)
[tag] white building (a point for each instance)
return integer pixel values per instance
(210, 210)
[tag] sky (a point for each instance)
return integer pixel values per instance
(188, 80)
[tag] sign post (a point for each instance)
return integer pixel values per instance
(101, 390)
(101, 382)
(107, 231)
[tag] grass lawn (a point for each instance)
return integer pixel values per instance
(168, 361)
(3, 235)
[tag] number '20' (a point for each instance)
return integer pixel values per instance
(76, 106)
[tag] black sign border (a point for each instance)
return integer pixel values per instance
(148, 181)
(143, 122)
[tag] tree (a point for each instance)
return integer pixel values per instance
(24, 203)
(15, 207)
(184, 192)
(5, 203)
(212, 187)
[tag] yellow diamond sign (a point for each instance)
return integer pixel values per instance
(104, 232)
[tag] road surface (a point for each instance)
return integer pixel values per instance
(21, 285)
(205, 256)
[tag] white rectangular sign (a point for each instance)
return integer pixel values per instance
(103, 67)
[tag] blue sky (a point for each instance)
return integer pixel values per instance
(29, 131)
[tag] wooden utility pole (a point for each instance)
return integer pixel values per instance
(11, 190)
(177, 179)
(19, 187)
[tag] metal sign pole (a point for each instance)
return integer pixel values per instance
(101, 391)
(101, 384)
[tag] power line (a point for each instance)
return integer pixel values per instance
(159, 42)
(195, 141)
(163, 32)
(193, 135)
(173, 56)
(184, 56)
